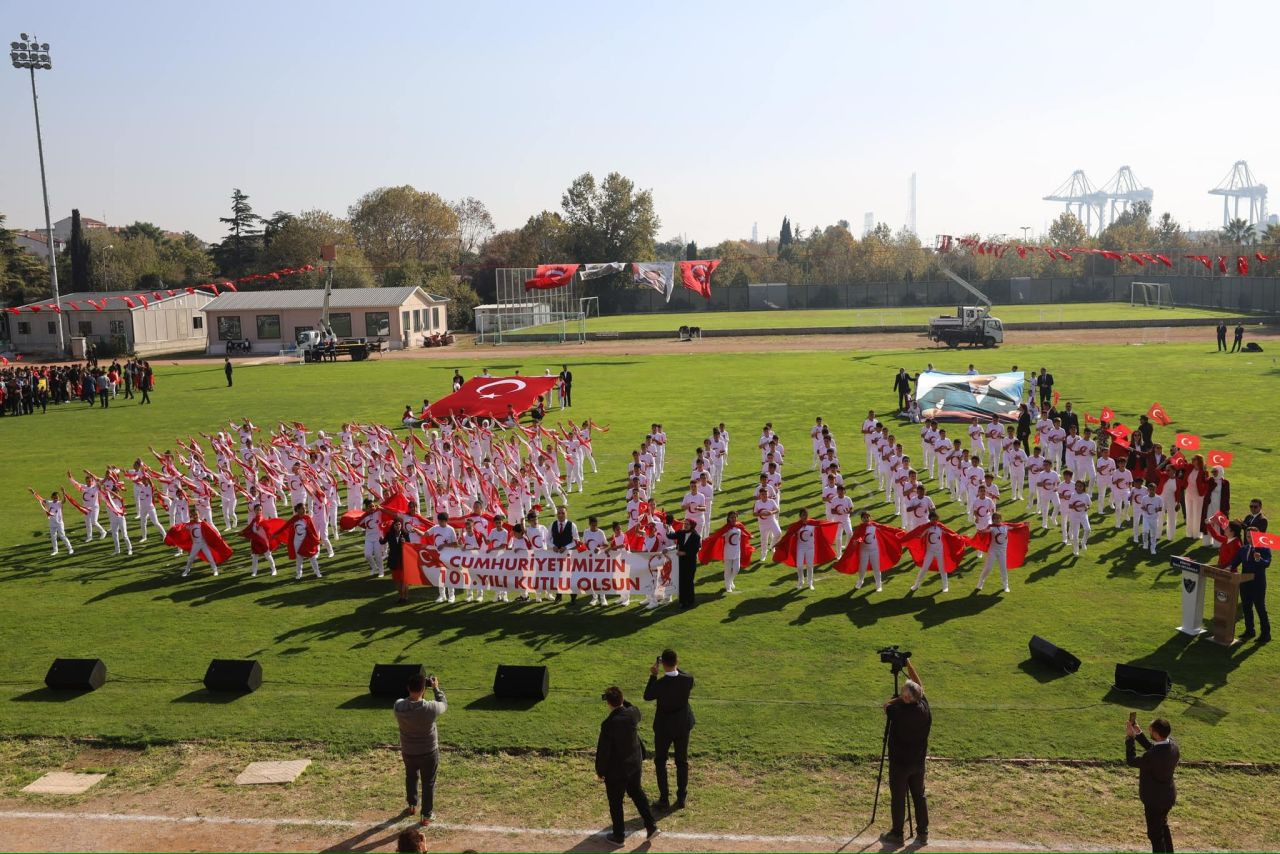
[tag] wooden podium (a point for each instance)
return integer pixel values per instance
(1226, 598)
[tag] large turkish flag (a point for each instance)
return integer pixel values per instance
(489, 396)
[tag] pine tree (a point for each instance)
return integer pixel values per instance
(784, 236)
(79, 252)
(238, 250)
(691, 251)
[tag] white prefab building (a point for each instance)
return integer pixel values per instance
(168, 324)
(270, 321)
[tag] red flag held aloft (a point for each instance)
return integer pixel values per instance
(549, 276)
(696, 276)
(1242, 265)
(1157, 414)
(1219, 458)
(1090, 419)
(490, 396)
(1264, 540)
(1019, 538)
(1108, 414)
(1186, 442)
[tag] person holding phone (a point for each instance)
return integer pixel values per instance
(1156, 765)
(673, 720)
(420, 742)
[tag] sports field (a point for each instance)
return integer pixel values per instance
(788, 673)
(798, 318)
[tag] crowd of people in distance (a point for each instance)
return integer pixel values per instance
(24, 389)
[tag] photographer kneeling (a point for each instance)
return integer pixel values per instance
(909, 720)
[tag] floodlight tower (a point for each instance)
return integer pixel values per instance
(31, 54)
(911, 206)
(1239, 184)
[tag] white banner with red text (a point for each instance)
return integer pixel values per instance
(652, 574)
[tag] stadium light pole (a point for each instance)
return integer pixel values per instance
(30, 54)
(1025, 229)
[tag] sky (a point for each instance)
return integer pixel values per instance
(732, 113)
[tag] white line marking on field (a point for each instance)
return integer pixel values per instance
(835, 841)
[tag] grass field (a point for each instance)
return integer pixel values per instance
(793, 319)
(780, 673)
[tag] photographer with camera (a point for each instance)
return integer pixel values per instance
(619, 755)
(908, 720)
(673, 720)
(419, 742)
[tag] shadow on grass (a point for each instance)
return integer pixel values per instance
(367, 701)
(211, 698)
(47, 695)
(492, 703)
(1040, 671)
(368, 840)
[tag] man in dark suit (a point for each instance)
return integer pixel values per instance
(1222, 336)
(226, 368)
(1237, 342)
(670, 687)
(1044, 382)
(1023, 431)
(687, 545)
(902, 385)
(619, 755)
(564, 537)
(1253, 594)
(1156, 788)
(1147, 431)
(566, 383)
(1069, 419)
(1255, 519)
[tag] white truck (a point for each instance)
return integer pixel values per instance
(971, 324)
(321, 344)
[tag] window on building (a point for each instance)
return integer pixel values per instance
(85, 327)
(341, 324)
(229, 328)
(117, 327)
(378, 323)
(53, 327)
(268, 327)
(197, 322)
(404, 322)
(24, 327)
(435, 318)
(417, 320)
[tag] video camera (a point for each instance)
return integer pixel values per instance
(894, 657)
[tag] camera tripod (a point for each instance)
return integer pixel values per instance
(884, 750)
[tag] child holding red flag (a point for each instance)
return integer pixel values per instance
(871, 546)
(731, 544)
(52, 507)
(1006, 547)
(303, 540)
(200, 540)
(934, 546)
(264, 535)
(806, 543)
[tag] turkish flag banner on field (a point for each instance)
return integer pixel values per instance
(490, 396)
(1108, 414)
(1019, 538)
(1157, 414)
(1263, 540)
(1186, 442)
(549, 276)
(1219, 458)
(696, 276)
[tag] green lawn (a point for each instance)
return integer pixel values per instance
(791, 319)
(779, 672)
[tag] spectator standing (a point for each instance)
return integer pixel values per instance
(619, 755)
(145, 384)
(673, 720)
(1222, 336)
(909, 723)
(1237, 344)
(566, 387)
(1156, 788)
(420, 742)
(226, 369)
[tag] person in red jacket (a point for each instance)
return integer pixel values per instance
(303, 540)
(264, 535)
(1229, 540)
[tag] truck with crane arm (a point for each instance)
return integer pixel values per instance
(321, 343)
(971, 324)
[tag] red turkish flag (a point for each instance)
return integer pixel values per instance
(142, 299)
(1219, 458)
(713, 545)
(1186, 442)
(824, 541)
(230, 286)
(1137, 259)
(1108, 414)
(1157, 414)
(1164, 259)
(1263, 540)
(1260, 256)
(1015, 549)
(888, 548)
(696, 276)
(1057, 396)
(1242, 265)
(1222, 263)
(414, 558)
(489, 396)
(953, 545)
(549, 276)
(179, 536)
(1089, 419)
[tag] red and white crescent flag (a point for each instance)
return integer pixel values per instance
(696, 276)
(1186, 442)
(489, 396)
(1219, 458)
(1090, 419)
(1108, 414)
(549, 276)
(1157, 414)
(1264, 540)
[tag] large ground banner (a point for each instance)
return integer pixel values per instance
(643, 573)
(959, 397)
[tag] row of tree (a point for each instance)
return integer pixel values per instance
(405, 236)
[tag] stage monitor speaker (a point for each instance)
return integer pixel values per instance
(76, 674)
(239, 675)
(392, 680)
(1042, 650)
(520, 682)
(1253, 347)
(1143, 680)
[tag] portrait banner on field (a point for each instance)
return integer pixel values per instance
(959, 397)
(542, 570)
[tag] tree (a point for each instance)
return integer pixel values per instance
(239, 249)
(149, 230)
(784, 236)
(461, 295)
(299, 241)
(23, 276)
(78, 250)
(475, 225)
(1238, 231)
(610, 222)
(1168, 231)
(1066, 230)
(1130, 230)
(272, 225)
(691, 251)
(185, 260)
(397, 224)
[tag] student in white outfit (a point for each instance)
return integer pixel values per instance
(997, 552)
(732, 551)
(766, 512)
(933, 556)
(52, 507)
(198, 547)
(868, 552)
(804, 552)
(595, 542)
(1078, 506)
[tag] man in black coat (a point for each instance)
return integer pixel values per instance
(687, 545)
(1156, 788)
(566, 381)
(564, 537)
(619, 755)
(1222, 336)
(902, 385)
(1069, 418)
(1237, 342)
(1254, 518)
(909, 722)
(226, 368)
(1023, 431)
(1253, 594)
(672, 722)
(1044, 382)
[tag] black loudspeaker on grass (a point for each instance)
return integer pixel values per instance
(520, 682)
(233, 675)
(1054, 656)
(392, 680)
(1143, 680)
(76, 674)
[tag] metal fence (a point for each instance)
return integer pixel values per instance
(557, 312)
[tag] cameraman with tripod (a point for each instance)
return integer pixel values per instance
(907, 724)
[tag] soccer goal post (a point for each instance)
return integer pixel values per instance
(1150, 294)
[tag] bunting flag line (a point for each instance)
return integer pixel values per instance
(1142, 259)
